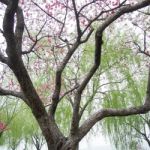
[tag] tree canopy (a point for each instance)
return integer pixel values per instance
(67, 63)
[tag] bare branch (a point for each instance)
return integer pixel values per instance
(97, 61)
(77, 19)
(29, 35)
(4, 1)
(3, 59)
(103, 113)
(109, 112)
(98, 36)
(60, 69)
(36, 40)
(145, 13)
(121, 11)
(147, 100)
(1, 31)
(86, 104)
(41, 28)
(31, 48)
(137, 130)
(64, 24)
(100, 14)
(140, 132)
(56, 94)
(17, 66)
(47, 13)
(69, 91)
(93, 1)
(4, 92)
(140, 49)
(88, 36)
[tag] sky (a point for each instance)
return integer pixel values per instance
(98, 142)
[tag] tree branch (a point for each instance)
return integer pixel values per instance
(76, 115)
(16, 64)
(77, 19)
(3, 59)
(69, 91)
(8, 27)
(4, 92)
(97, 60)
(121, 11)
(19, 29)
(109, 112)
(4, 1)
(143, 134)
(47, 13)
(145, 13)
(58, 78)
(107, 22)
(103, 113)
(36, 40)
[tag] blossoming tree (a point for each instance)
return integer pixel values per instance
(52, 33)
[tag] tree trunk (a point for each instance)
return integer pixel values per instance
(69, 145)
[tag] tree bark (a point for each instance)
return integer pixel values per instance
(54, 138)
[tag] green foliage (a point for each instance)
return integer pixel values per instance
(129, 92)
(118, 83)
(123, 131)
(63, 116)
(115, 85)
(20, 121)
(114, 82)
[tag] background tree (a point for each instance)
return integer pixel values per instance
(17, 130)
(56, 57)
(131, 132)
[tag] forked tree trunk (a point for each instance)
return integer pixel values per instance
(63, 145)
